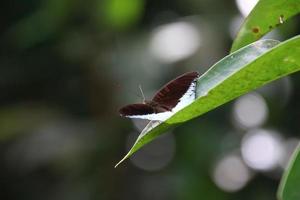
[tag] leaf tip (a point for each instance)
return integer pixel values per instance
(122, 160)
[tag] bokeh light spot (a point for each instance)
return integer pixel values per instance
(175, 41)
(155, 155)
(250, 111)
(231, 174)
(261, 149)
(245, 6)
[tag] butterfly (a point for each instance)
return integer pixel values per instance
(171, 98)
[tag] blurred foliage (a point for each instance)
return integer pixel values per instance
(43, 23)
(120, 14)
(65, 69)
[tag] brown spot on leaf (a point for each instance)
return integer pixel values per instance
(255, 30)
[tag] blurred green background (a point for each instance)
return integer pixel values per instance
(66, 67)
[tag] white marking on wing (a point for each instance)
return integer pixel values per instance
(155, 116)
(187, 98)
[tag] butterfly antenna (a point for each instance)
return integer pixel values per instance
(140, 87)
(118, 86)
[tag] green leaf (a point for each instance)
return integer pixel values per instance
(233, 76)
(266, 15)
(289, 185)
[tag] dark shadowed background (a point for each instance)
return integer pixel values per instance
(67, 66)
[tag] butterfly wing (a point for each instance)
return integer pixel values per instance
(170, 94)
(136, 109)
(143, 111)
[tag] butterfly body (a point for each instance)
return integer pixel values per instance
(171, 98)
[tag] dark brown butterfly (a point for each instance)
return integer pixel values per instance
(172, 97)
